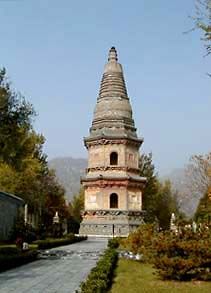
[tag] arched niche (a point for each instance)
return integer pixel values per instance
(114, 159)
(113, 201)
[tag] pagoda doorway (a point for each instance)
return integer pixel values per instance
(113, 201)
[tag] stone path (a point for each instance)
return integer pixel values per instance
(60, 272)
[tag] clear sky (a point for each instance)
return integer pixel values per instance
(54, 52)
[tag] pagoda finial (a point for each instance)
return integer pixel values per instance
(112, 56)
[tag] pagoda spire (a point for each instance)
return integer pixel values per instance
(113, 83)
(113, 112)
(112, 55)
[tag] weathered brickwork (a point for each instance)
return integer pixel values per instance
(99, 156)
(128, 199)
(98, 198)
(113, 187)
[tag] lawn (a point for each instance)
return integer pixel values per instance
(135, 277)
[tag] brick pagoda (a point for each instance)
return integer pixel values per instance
(113, 187)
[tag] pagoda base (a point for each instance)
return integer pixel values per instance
(110, 223)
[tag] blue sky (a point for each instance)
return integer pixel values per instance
(54, 53)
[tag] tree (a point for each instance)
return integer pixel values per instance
(147, 169)
(159, 200)
(52, 194)
(203, 212)
(77, 205)
(203, 21)
(8, 178)
(166, 204)
(23, 165)
(21, 154)
(75, 209)
(199, 174)
(15, 124)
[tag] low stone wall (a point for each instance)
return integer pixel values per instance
(104, 229)
(110, 223)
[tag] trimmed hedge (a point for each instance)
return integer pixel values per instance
(100, 277)
(8, 250)
(11, 258)
(50, 243)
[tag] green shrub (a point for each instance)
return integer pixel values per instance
(50, 243)
(113, 243)
(184, 256)
(69, 236)
(13, 259)
(8, 250)
(24, 231)
(141, 241)
(100, 277)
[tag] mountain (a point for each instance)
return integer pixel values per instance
(68, 171)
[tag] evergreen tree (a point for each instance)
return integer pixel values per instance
(166, 204)
(159, 200)
(203, 212)
(77, 205)
(147, 169)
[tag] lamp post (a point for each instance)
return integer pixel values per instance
(56, 224)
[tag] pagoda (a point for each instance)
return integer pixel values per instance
(112, 184)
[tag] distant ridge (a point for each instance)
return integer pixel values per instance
(68, 171)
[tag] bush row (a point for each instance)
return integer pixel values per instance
(8, 250)
(15, 258)
(50, 243)
(100, 277)
(184, 256)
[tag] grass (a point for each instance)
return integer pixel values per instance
(135, 277)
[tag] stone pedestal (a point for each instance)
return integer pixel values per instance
(110, 223)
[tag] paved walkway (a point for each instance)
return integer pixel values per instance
(60, 273)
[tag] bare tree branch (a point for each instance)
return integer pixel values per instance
(198, 174)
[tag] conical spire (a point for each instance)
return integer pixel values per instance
(113, 84)
(113, 113)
